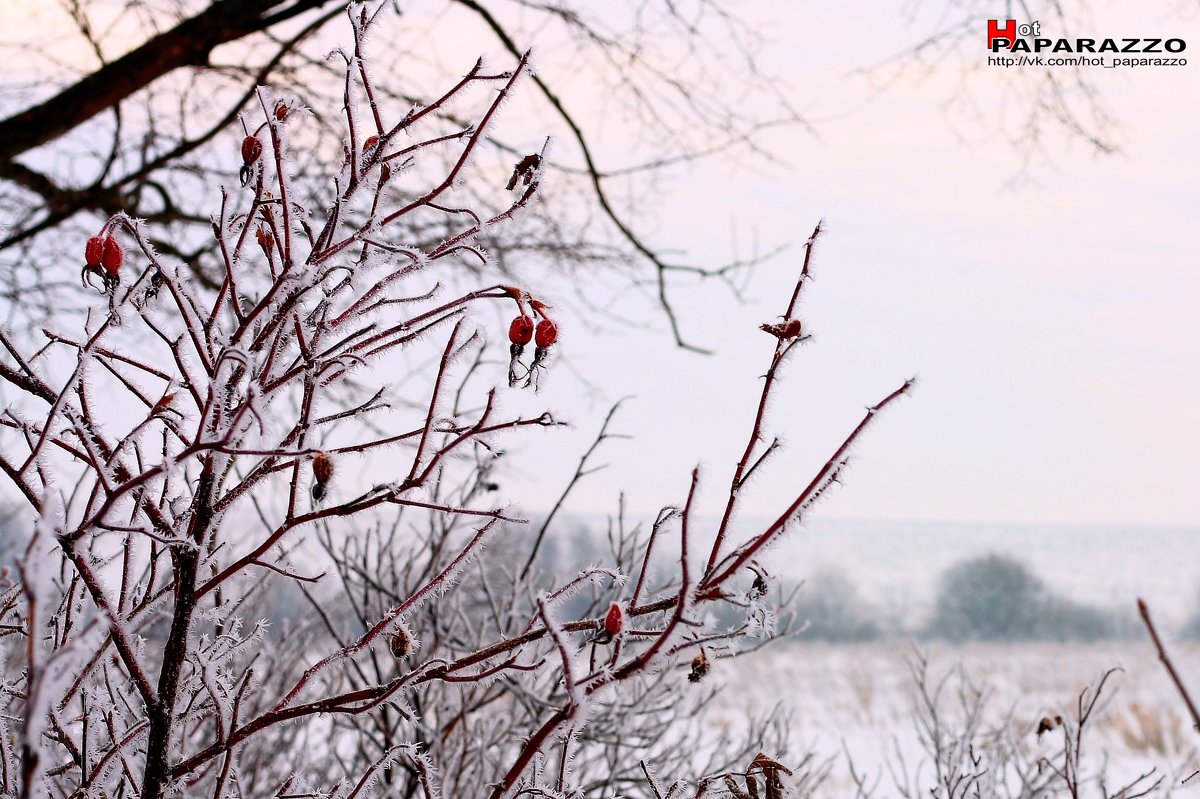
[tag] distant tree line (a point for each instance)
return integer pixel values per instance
(990, 597)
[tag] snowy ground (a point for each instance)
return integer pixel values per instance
(861, 696)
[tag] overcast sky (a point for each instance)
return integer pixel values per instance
(1047, 309)
(1049, 313)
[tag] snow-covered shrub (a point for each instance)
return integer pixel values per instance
(184, 452)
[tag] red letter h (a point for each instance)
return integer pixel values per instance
(1008, 32)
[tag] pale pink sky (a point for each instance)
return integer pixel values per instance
(1051, 323)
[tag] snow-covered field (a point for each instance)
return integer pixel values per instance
(860, 697)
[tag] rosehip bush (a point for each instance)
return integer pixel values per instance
(196, 463)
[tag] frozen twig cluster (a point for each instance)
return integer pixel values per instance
(969, 750)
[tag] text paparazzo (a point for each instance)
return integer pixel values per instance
(999, 43)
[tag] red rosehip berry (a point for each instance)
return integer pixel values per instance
(546, 335)
(520, 332)
(371, 143)
(251, 150)
(614, 620)
(93, 251)
(322, 472)
(322, 467)
(112, 257)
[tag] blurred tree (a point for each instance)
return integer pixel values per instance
(1034, 108)
(1191, 627)
(997, 598)
(135, 106)
(992, 597)
(137, 109)
(832, 609)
